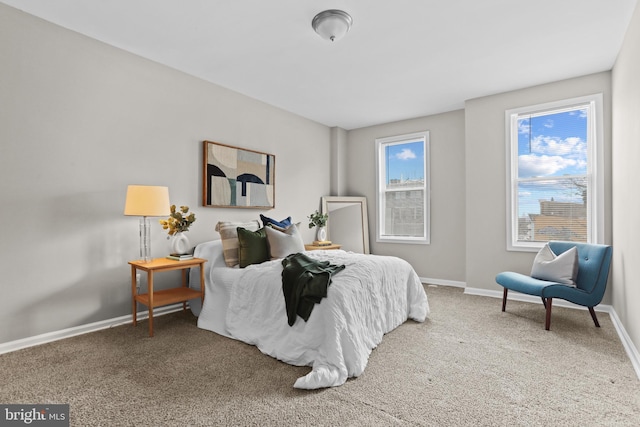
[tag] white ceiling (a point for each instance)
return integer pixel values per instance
(401, 59)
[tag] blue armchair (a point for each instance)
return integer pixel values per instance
(593, 271)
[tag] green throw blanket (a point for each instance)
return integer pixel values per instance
(304, 283)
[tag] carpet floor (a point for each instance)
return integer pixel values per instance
(469, 364)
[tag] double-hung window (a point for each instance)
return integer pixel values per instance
(554, 168)
(403, 188)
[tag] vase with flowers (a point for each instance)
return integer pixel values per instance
(319, 221)
(177, 225)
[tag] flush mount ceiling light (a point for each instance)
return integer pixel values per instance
(332, 24)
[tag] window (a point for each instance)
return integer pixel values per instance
(555, 183)
(403, 188)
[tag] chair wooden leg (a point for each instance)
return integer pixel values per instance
(593, 316)
(504, 298)
(547, 323)
(544, 302)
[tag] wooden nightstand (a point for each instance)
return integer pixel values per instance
(168, 296)
(318, 247)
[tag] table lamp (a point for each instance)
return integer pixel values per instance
(146, 201)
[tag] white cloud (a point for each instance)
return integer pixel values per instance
(548, 124)
(534, 165)
(554, 146)
(406, 154)
(581, 113)
(523, 126)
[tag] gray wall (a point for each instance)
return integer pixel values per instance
(468, 183)
(338, 165)
(625, 274)
(444, 258)
(79, 121)
(486, 174)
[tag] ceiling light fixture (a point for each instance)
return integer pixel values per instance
(332, 24)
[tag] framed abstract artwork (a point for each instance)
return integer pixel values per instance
(237, 178)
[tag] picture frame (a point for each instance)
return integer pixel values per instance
(235, 177)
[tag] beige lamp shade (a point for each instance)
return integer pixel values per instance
(147, 200)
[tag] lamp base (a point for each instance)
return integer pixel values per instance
(145, 239)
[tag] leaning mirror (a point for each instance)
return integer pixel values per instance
(347, 224)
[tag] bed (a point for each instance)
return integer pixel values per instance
(372, 296)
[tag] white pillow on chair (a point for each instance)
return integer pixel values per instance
(561, 268)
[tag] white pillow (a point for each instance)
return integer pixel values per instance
(561, 268)
(283, 243)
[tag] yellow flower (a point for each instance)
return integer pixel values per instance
(177, 223)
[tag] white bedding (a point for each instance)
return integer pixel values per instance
(370, 297)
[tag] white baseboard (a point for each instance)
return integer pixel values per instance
(83, 329)
(629, 347)
(443, 282)
(516, 296)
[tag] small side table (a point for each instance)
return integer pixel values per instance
(168, 296)
(319, 247)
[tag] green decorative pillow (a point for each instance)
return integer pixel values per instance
(252, 247)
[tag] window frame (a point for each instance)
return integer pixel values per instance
(381, 189)
(595, 167)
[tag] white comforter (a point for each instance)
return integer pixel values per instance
(370, 297)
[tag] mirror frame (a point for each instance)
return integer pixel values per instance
(326, 200)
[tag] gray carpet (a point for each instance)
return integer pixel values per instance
(468, 365)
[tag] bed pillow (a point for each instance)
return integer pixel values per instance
(252, 248)
(561, 268)
(229, 235)
(280, 225)
(283, 243)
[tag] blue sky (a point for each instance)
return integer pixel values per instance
(405, 161)
(552, 145)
